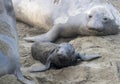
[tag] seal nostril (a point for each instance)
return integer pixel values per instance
(105, 19)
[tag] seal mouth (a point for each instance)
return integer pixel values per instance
(98, 30)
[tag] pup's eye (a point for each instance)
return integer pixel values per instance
(90, 16)
(57, 50)
(59, 47)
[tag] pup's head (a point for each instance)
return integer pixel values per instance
(65, 49)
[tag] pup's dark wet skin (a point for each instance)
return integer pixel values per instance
(57, 55)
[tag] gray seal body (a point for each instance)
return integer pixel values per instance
(96, 17)
(56, 55)
(9, 56)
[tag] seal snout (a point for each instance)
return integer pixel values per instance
(62, 51)
(95, 29)
(95, 26)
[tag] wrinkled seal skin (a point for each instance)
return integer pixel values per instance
(26, 11)
(68, 18)
(9, 56)
(56, 55)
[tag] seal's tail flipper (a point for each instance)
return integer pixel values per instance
(89, 57)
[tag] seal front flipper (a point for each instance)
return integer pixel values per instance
(50, 36)
(87, 57)
(41, 69)
(41, 38)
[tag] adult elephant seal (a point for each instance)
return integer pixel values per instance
(57, 55)
(9, 56)
(68, 18)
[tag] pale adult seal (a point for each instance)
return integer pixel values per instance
(57, 55)
(9, 56)
(68, 18)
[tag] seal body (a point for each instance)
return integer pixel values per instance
(61, 55)
(56, 55)
(27, 11)
(96, 17)
(9, 56)
(43, 50)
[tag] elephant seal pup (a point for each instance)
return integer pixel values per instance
(99, 19)
(56, 55)
(9, 56)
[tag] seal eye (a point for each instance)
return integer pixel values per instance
(58, 49)
(105, 19)
(90, 16)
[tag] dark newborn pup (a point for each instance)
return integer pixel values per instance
(56, 55)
